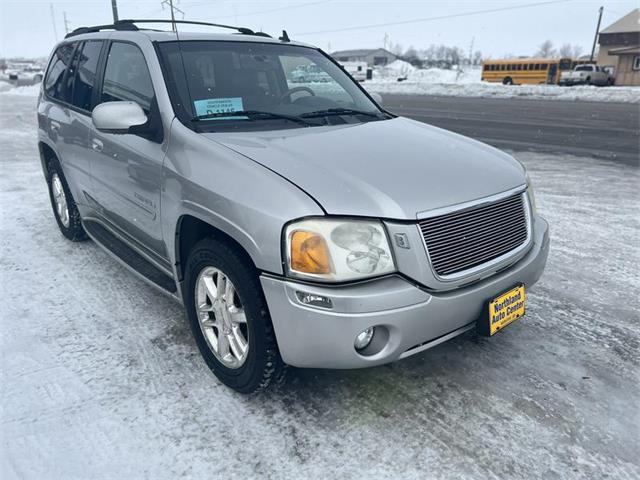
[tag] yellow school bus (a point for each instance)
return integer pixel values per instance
(525, 70)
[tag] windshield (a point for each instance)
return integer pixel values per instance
(216, 85)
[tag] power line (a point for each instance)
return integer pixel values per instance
(429, 19)
(259, 12)
(174, 9)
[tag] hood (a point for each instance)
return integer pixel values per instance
(388, 169)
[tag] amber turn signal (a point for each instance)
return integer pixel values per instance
(309, 253)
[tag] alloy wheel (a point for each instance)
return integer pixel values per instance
(221, 317)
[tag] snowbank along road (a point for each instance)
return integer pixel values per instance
(100, 377)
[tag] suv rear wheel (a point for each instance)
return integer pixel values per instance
(64, 207)
(229, 317)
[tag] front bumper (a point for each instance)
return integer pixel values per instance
(411, 318)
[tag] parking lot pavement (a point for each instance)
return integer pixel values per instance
(100, 377)
(601, 129)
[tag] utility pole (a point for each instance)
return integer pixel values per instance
(595, 38)
(53, 20)
(66, 23)
(173, 9)
(473, 39)
(114, 9)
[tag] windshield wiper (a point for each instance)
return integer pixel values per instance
(253, 115)
(341, 111)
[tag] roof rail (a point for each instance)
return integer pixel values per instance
(98, 28)
(129, 25)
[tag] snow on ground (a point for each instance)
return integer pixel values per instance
(100, 378)
(26, 90)
(466, 83)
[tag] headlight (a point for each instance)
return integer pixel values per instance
(335, 250)
(532, 198)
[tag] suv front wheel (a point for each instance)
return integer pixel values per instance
(229, 317)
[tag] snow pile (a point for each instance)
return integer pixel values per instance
(5, 86)
(465, 82)
(411, 74)
(26, 91)
(393, 71)
(466, 87)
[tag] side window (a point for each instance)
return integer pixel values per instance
(55, 84)
(126, 77)
(86, 67)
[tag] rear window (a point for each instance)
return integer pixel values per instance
(56, 84)
(583, 68)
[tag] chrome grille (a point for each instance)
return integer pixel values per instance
(465, 239)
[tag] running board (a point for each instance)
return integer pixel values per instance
(129, 257)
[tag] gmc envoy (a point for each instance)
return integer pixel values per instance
(298, 222)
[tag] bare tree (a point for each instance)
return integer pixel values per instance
(577, 51)
(566, 50)
(395, 48)
(546, 50)
(477, 57)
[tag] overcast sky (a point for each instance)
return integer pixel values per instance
(26, 27)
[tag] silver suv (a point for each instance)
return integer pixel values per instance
(299, 224)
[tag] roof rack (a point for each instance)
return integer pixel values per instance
(129, 25)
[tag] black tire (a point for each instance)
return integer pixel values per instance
(263, 365)
(73, 230)
(587, 81)
(507, 81)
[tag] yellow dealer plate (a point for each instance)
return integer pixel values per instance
(506, 309)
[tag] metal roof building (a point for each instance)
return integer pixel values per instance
(378, 57)
(620, 47)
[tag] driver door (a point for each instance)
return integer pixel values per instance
(127, 169)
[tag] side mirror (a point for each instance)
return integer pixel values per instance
(118, 117)
(377, 97)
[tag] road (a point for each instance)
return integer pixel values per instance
(600, 129)
(100, 377)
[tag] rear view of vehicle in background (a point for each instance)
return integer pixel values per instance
(309, 74)
(587, 75)
(358, 70)
(525, 70)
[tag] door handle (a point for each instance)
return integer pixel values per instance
(97, 145)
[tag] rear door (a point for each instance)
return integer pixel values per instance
(68, 90)
(127, 169)
(55, 117)
(80, 103)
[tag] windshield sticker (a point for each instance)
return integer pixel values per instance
(213, 106)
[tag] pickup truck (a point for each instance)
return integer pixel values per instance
(587, 74)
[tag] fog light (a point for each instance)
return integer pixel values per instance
(364, 338)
